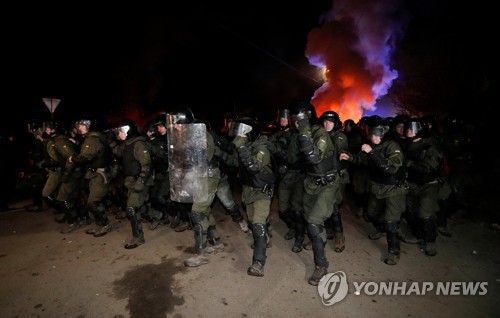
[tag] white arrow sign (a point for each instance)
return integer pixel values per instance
(51, 103)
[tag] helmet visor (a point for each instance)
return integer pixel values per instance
(84, 122)
(239, 129)
(123, 129)
(176, 118)
(378, 130)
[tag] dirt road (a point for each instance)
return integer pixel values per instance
(48, 274)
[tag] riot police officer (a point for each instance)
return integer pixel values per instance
(136, 155)
(387, 200)
(321, 182)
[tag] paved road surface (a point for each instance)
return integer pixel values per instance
(48, 274)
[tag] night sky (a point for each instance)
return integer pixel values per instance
(241, 56)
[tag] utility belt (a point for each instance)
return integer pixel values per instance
(328, 179)
(92, 172)
(267, 188)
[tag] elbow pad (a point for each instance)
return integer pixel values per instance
(306, 145)
(247, 160)
(307, 148)
(244, 153)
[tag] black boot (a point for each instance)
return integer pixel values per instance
(102, 226)
(259, 232)
(83, 213)
(237, 217)
(165, 217)
(71, 217)
(379, 228)
(338, 229)
(51, 202)
(215, 244)
(137, 233)
(430, 233)
(442, 217)
(392, 257)
(67, 215)
(287, 217)
(321, 263)
(185, 222)
(414, 225)
(235, 212)
(330, 235)
(300, 231)
(199, 258)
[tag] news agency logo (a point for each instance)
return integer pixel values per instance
(333, 288)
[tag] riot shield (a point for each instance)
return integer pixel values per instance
(187, 162)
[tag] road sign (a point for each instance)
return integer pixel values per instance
(51, 103)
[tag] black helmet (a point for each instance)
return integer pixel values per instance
(126, 126)
(151, 130)
(160, 120)
(349, 125)
(84, 121)
(247, 126)
(302, 110)
(363, 122)
(181, 115)
(377, 126)
(431, 121)
(400, 119)
(332, 116)
(418, 126)
(374, 120)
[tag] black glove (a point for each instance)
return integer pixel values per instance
(305, 145)
(244, 153)
(304, 125)
(247, 160)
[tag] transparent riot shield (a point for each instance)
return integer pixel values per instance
(187, 162)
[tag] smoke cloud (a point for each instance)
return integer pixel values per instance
(353, 47)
